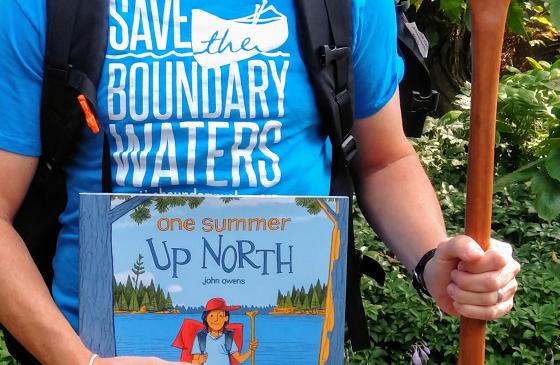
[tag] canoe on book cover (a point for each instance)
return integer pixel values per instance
(217, 41)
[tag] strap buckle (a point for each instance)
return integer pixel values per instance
(349, 147)
(424, 103)
(335, 53)
(402, 5)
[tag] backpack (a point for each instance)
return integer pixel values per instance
(192, 328)
(74, 56)
(203, 335)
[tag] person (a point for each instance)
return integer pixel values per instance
(213, 97)
(215, 352)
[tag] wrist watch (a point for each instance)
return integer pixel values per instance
(418, 274)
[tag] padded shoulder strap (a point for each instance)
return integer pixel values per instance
(75, 50)
(325, 34)
(77, 41)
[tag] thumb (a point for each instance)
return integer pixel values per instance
(462, 248)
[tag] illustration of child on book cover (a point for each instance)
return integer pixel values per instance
(222, 281)
(214, 341)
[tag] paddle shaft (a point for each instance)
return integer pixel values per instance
(251, 316)
(253, 338)
(488, 23)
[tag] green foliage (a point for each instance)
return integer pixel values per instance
(5, 357)
(453, 9)
(535, 20)
(302, 299)
(515, 19)
(398, 319)
(312, 206)
(129, 298)
(162, 204)
(528, 133)
(138, 269)
(555, 12)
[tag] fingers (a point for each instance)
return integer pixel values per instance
(126, 360)
(461, 248)
(465, 280)
(486, 281)
(498, 256)
(488, 313)
(482, 299)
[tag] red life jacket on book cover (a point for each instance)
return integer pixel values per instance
(187, 334)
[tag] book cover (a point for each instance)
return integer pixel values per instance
(214, 279)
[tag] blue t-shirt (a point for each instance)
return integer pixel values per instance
(195, 96)
(216, 350)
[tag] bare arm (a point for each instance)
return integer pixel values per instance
(241, 358)
(398, 201)
(29, 313)
(27, 309)
(393, 191)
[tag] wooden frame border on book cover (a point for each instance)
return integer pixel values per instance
(96, 326)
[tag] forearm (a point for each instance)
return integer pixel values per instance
(398, 201)
(28, 310)
(242, 358)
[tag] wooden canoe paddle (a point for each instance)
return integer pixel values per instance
(488, 25)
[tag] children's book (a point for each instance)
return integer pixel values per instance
(214, 279)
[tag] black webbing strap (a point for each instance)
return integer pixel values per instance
(62, 16)
(106, 177)
(337, 54)
(417, 97)
(325, 34)
(75, 48)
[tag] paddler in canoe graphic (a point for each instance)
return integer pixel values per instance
(217, 41)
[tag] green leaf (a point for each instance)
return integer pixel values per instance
(453, 9)
(555, 13)
(524, 173)
(504, 127)
(515, 19)
(451, 116)
(553, 164)
(534, 63)
(547, 191)
(417, 4)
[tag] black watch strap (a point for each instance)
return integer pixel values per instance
(418, 274)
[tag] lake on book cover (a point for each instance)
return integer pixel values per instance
(152, 335)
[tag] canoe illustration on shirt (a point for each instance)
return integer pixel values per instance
(217, 41)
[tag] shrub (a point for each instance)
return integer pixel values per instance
(398, 319)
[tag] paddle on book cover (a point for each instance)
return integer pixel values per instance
(214, 280)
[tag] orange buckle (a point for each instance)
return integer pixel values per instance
(90, 117)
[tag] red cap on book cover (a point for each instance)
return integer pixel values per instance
(220, 304)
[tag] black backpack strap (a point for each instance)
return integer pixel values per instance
(418, 99)
(75, 50)
(327, 52)
(76, 38)
(325, 33)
